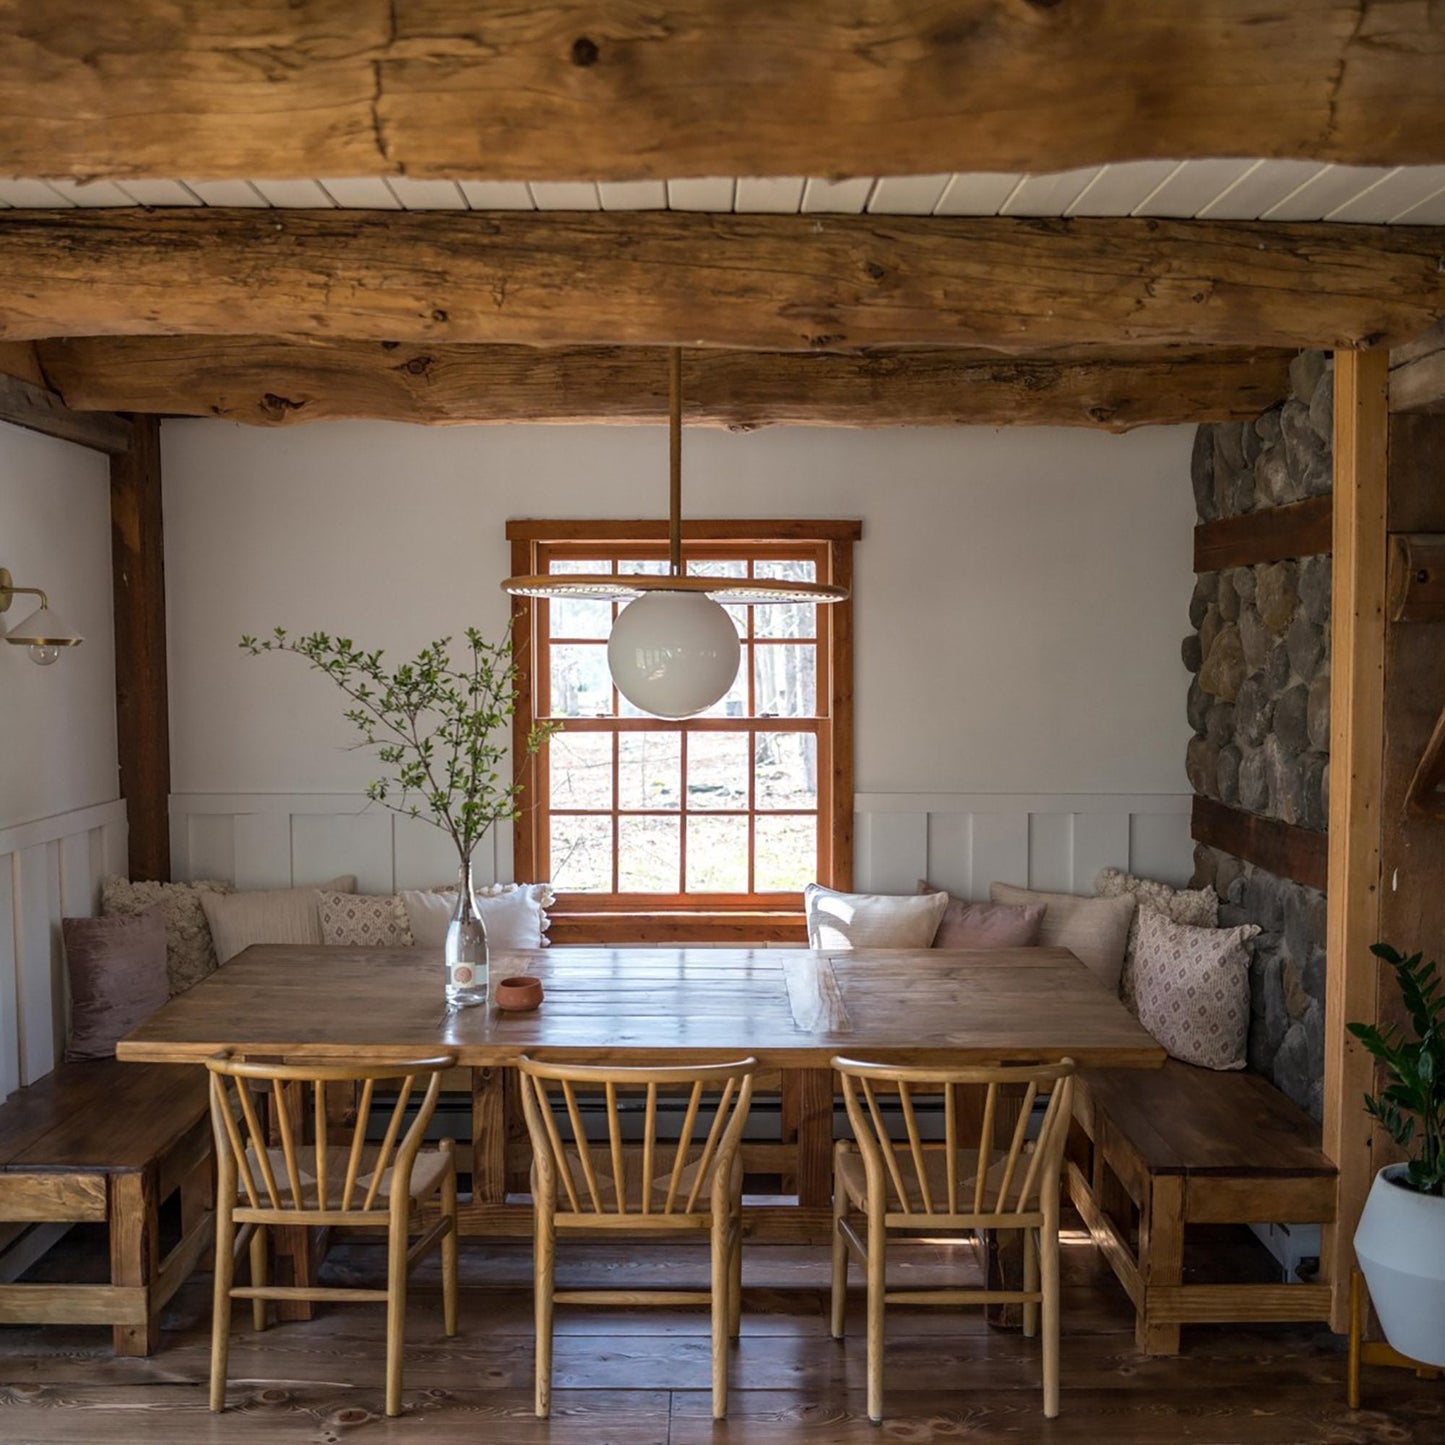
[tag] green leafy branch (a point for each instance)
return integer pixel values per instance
(438, 725)
(1416, 1087)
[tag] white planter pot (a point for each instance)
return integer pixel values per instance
(1401, 1248)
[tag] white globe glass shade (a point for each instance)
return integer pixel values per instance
(673, 654)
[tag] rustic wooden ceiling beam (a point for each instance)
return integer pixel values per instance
(275, 383)
(489, 88)
(773, 283)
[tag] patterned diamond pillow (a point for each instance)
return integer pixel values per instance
(1192, 986)
(363, 920)
(190, 953)
(1199, 906)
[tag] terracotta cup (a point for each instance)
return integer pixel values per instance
(518, 994)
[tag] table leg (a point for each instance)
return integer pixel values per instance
(489, 1137)
(808, 1123)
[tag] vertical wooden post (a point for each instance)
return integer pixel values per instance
(1357, 641)
(141, 701)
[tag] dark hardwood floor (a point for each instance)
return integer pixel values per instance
(638, 1377)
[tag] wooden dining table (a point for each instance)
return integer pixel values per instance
(791, 1009)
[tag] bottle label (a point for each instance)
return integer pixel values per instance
(463, 974)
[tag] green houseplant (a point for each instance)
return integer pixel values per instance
(1400, 1241)
(439, 725)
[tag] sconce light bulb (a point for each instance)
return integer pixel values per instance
(42, 655)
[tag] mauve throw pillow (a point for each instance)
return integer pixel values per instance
(986, 925)
(117, 978)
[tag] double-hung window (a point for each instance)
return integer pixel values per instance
(709, 827)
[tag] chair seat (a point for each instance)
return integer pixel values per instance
(426, 1175)
(855, 1184)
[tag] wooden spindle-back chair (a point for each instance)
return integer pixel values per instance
(984, 1174)
(587, 1175)
(288, 1156)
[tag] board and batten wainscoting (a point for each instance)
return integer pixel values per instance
(959, 841)
(50, 868)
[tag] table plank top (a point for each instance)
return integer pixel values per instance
(791, 1008)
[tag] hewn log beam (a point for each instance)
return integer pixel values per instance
(774, 283)
(277, 383)
(488, 88)
(37, 409)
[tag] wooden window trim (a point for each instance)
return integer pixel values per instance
(677, 918)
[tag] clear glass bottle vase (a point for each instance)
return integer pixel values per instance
(465, 949)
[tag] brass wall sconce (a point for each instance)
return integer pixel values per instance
(42, 632)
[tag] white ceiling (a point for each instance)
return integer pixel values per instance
(1219, 190)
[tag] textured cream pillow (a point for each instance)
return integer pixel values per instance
(1095, 930)
(362, 920)
(872, 920)
(190, 954)
(1193, 989)
(1198, 906)
(270, 915)
(514, 913)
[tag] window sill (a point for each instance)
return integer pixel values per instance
(741, 929)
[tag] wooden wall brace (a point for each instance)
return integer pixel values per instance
(1423, 796)
(1417, 577)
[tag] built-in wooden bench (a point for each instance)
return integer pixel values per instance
(1153, 1151)
(107, 1142)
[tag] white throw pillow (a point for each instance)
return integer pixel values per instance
(1095, 930)
(1192, 986)
(1198, 906)
(270, 915)
(514, 914)
(872, 920)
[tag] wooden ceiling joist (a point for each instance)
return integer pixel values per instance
(768, 283)
(278, 89)
(275, 383)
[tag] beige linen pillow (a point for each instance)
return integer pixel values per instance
(1095, 930)
(871, 920)
(1197, 906)
(514, 913)
(268, 915)
(1193, 989)
(190, 954)
(362, 920)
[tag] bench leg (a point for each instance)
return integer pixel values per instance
(1161, 1260)
(135, 1254)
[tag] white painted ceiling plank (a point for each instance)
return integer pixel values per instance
(1429, 212)
(565, 195)
(34, 195)
(1050, 195)
(360, 193)
(159, 193)
(294, 195)
(497, 195)
(226, 193)
(1117, 189)
(701, 193)
(977, 193)
(907, 195)
(1325, 192)
(770, 195)
(839, 198)
(1391, 195)
(427, 195)
(1192, 187)
(91, 193)
(1256, 191)
(632, 195)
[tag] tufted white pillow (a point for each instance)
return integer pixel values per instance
(872, 920)
(190, 954)
(514, 913)
(1198, 906)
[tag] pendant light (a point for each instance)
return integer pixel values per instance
(674, 650)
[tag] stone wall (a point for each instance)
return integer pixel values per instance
(1259, 704)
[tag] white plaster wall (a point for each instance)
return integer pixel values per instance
(57, 724)
(1020, 593)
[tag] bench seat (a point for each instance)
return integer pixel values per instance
(108, 1142)
(1153, 1151)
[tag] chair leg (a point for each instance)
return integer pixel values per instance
(840, 1256)
(224, 1277)
(544, 1253)
(721, 1293)
(396, 1279)
(735, 1278)
(259, 1276)
(1049, 1268)
(1031, 1281)
(449, 1241)
(877, 1251)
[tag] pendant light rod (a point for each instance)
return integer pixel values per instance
(674, 436)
